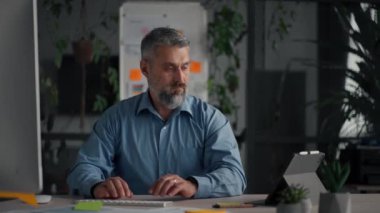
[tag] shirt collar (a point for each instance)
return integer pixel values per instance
(146, 104)
(186, 106)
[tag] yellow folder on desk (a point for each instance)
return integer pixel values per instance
(26, 197)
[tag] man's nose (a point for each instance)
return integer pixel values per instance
(181, 75)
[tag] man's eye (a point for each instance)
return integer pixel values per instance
(185, 67)
(170, 68)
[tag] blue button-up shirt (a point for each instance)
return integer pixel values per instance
(132, 141)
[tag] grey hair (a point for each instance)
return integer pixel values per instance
(162, 36)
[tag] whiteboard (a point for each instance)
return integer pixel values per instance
(138, 18)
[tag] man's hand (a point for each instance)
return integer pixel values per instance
(113, 187)
(172, 185)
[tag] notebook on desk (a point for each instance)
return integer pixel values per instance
(300, 171)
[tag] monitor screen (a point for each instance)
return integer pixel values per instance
(20, 144)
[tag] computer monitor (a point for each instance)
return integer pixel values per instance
(20, 142)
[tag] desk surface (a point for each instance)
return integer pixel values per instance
(361, 203)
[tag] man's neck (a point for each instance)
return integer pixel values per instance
(165, 113)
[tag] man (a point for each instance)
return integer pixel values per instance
(161, 142)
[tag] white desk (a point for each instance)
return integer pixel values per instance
(361, 203)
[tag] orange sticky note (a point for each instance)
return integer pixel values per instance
(135, 74)
(195, 67)
(26, 197)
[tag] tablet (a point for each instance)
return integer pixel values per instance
(301, 171)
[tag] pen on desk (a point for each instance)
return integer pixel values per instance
(233, 205)
(206, 211)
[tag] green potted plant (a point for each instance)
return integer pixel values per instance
(364, 98)
(48, 102)
(354, 109)
(281, 21)
(293, 199)
(360, 99)
(225, 31)
(86, 45)
(334, 176)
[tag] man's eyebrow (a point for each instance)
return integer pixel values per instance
(174, 64)
(169, 64)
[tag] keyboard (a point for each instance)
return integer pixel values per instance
(120, 202)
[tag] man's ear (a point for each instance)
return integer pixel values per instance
(144, 67)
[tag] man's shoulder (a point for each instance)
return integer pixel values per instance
(198, 105)
(125, 105)
(195, 101)
(131, 100)
(205, 114)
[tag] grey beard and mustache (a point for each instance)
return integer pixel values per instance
(172, 101)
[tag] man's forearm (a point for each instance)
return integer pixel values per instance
(222, 182)
(83, 178)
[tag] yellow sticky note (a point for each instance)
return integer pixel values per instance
(88, 206)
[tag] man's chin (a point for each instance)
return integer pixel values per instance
(177, 101)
